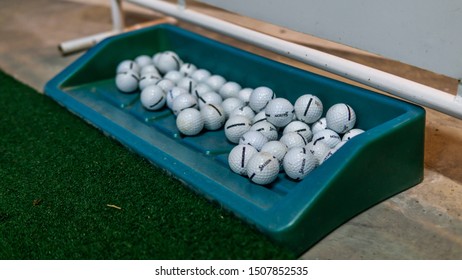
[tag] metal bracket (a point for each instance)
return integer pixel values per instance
(182, 4)
(459, 92)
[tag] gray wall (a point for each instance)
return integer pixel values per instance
(422, 33)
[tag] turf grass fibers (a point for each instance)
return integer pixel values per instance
(69, 192)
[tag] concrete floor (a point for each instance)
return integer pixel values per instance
(423, 222)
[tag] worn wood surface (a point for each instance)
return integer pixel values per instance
(423, 222)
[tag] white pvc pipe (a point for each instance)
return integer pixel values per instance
(84, 43)
(118, 22)
(87, 42)
(409, 90)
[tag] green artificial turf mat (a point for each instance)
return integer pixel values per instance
(69, 192)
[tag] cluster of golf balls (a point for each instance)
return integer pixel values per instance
(271, 134)
(294, 138)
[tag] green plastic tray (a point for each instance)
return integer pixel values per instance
(383, 161)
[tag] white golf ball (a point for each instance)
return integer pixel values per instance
(260, 97)
(201, 88)
(262, 168)
(173, 93)
(127, 81)
(235, 127)
(187, 69)
(293, 139)
(200, 75)
(254, 139)
(244, 94)
(267, 129)
(300, 127)
(152, 98)
(147, 80)
(340, 118)
(215, 82)
(127, 65)
(143, 60)
(328, 136)
(299, 162)
(352, 133)
(182, 102)
(230, 104)
(318, 149)
(332, 151)
(190, 122)
(245, 111)
(239, 157)
(319, 125)
(187, 83)
(165, 84)
(308, 108)
(230, 89)
(174, 76)
(168, 61)
(155, 58)
(279, 112)
(213, 115)
(151, 69)
(276, 148)
(259, 117)
(210, 97)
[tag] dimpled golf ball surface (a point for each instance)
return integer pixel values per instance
(165, 84)
(340, 118)
(293, 139)
(239, 157)
(213, 115)
(173, 93)
(201, 75)
(319, 125)
(187, 83)
(201, 88)
(143, 60)
(260, 97)
(259, 117)
(210, 97)
(276, 148)
(230, 89)
(327, 136)
(279, 112)
(147, 80)
(245, 111)
(187, 69)
(215, 82)
(174, 76)
(183, 101)
(150, 68)
(230, 104)
(262, 168)
(267, 129)
(308, 108)
(352, 133)
(168, 61)
(254, 139)
(298, 162)
(127, 81)
(190, 122)
(333, 151)
(300, 127)
(127, 65)
(318, 149)
(244, 94)
(235, 127)
(152, 98)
